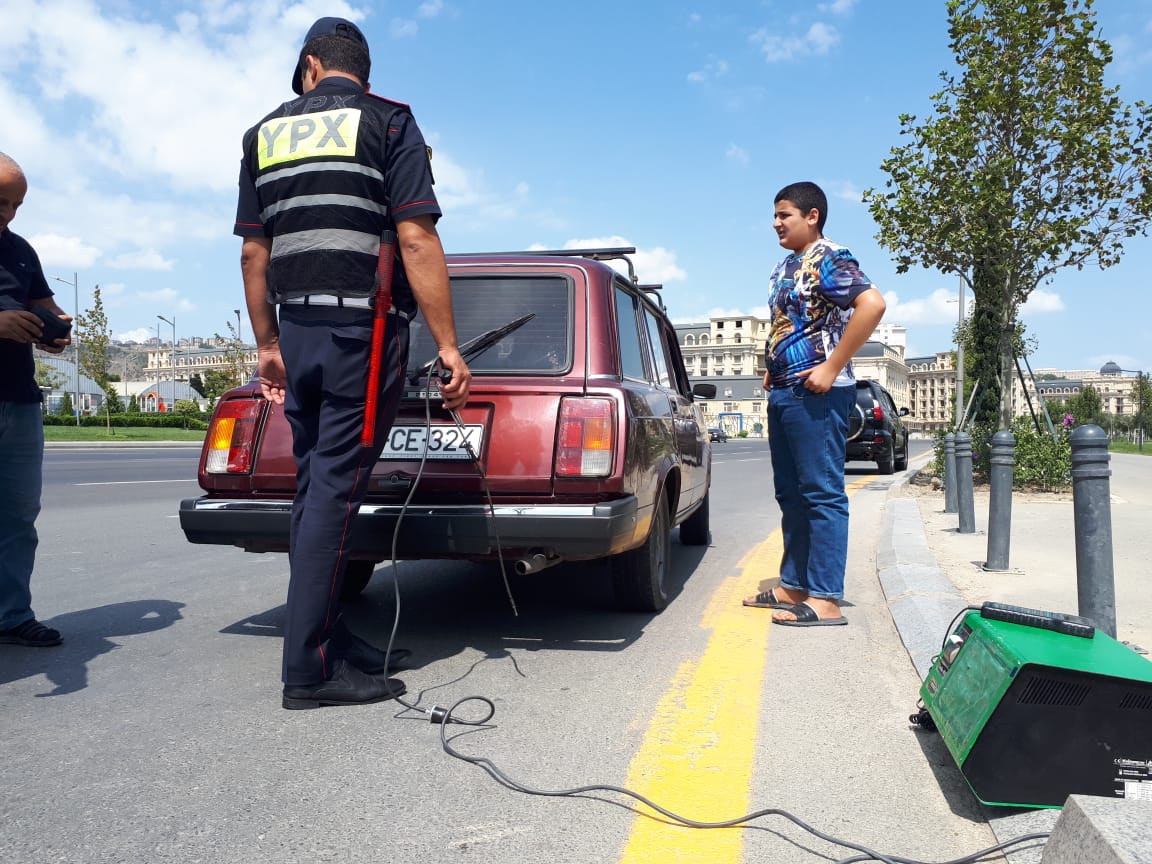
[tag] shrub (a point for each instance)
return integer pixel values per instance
(1042, 461)
(151, 421)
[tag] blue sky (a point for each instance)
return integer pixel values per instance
(666, 126)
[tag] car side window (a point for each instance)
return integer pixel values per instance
(659, 357)
(628, 337)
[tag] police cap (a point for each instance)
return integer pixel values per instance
(327, 27)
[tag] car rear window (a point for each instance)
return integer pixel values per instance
(542, 346)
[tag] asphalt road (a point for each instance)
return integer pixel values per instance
(155, 733)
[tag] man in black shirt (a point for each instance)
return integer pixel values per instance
(322, 179)
(22, 286)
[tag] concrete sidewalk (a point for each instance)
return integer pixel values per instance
(929, 572)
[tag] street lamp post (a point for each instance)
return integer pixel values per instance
(75, 283)
(960, 359)
(238, 337)
(172, 407)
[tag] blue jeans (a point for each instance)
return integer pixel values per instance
(21, 467)
(807, 434)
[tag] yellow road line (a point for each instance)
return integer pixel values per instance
(698, 753)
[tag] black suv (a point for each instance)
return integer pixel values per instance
(875, 431)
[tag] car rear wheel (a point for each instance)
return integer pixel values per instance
(638, 575)
(885, 463)
(902, 459)
(356, 579)
(694, 529)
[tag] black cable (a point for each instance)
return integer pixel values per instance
(445, 716)
(433, 712)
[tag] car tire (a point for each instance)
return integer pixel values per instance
(885, 465)
(356, 579)
(902, 459)
(638, 575)
(694, 529)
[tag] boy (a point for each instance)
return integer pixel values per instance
(823, 309)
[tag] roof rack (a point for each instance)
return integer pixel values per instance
(607, 253)
(653, 289)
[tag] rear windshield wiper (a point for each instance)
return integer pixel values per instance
(476, 346)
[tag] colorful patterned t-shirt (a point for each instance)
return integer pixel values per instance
(810, 300)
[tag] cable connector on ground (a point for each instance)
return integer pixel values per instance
(437, 715)
(923, 719)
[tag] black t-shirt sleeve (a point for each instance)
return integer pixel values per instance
(21, 276)
(409, 172)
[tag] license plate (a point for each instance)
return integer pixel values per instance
(442, 441)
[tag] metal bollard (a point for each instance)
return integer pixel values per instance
(949, 473)
(1003, 457)
(1091, 502)
(965, 503)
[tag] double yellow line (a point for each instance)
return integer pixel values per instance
(698, 753)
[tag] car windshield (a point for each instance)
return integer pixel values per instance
(542, 346)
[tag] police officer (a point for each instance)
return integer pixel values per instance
(322, 178)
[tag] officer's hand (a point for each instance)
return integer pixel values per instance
(767, 380)
(455, 392)
(270, 370)
(19, 326)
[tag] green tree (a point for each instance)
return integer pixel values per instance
(1087, 406)
(133, 405)
(66, 409)
(91, 337)
(1027, 165)
(234, 365)
(48, 377)
(113, 404)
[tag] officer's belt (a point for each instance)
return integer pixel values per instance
(343, 302)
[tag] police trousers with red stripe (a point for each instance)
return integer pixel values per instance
(326, 353)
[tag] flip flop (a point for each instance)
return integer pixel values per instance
(767, 600)
(806, 617)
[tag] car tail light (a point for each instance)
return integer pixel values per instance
(231, 437)
(877, 412)
(586, 437)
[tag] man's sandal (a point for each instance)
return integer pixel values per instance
(767, 600)
(806, 617)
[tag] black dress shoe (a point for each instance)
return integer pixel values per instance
(347, 686)
(365, 656)
(33, 634)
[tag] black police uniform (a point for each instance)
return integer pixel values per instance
(324, 176)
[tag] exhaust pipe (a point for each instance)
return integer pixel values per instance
(535, 563)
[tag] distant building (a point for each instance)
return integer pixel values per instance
(195, 359)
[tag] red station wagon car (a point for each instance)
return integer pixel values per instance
(589, 442)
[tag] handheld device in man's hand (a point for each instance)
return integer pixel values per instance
(54, 327)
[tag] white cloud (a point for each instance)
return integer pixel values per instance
(57, 251)
(712, 70)
(818, 39)
(837, 7)
(430, 8)
(844, 190)
(141, 259)
(822, 37)
(140, 334)
(695, 18)
(403, 28)
(1041, 301)
(737, 154)
(653, 265)
(937, 308)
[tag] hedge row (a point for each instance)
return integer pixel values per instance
(152, 421)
